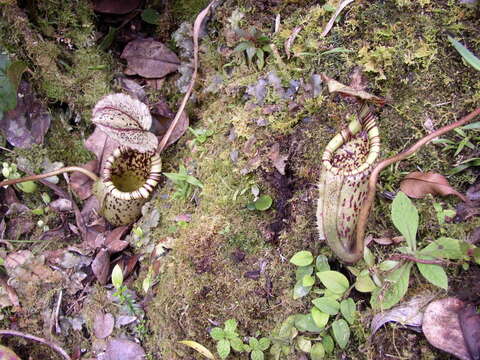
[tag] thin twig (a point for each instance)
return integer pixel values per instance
(372, 183)
(86, 172)
(399, 257)
(38, 339)
(196, 31)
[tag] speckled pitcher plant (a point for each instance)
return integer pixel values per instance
(346, 165)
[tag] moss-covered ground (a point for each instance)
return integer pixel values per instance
(229, 261)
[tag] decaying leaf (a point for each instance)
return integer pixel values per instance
(101, 266)
(409, 313)
(441, 326)
(117, 7)
(120, 349)
(149, 58)
(334, 86)
(418, 184)
(103, 324)
(113, 240)
(82, 184)
(291, 39)
(279, 160)
(163, 118)
(102, 146)
(28, 123)
(126, 120)
(470, 324)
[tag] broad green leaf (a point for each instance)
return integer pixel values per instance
(328, 344)
(286, 328)
(303, 271)
(299, 290)
(263, 202)
(327, 305)
(150, 16)
(253, 342)
(368, 257)
(251, 50)
(317, 352)
(242, 46)
(405, 219)
(27, 187)
(302, 258)
(217, 333)
(341, 332)
(467, 55)
(194, 181)
(435, 274)
(237, 344)
(321, 264)
(8, 92)
(446, 248)
(393, 290)
(319, 318)
(117, 276)
(15, 72)
(348, 310)
(334, 281)
(264, 343)
(257, 355)
(230, 325)
(387, 265)
(304, 344)
(308, 281)
(199, 348)
(364, 284)
(306, 323)
(223, 348)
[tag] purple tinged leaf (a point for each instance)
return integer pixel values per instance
(120, 349)
(103, 325)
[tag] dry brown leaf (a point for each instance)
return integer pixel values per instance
(127, 120)
(279, 161)
(103, 324)
(101, 266)
(149, 58)
(163, 118)
(470, 324)
(334, 86)
(120, 349)
(389, 240)
(101, 145)
(81, 184)
(441, 326)
(418, 184)
(113, 240)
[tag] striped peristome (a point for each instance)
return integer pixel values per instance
(346, 165)
(128, 180)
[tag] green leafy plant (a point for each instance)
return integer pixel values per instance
(201, 135)
(333, 311)
(184, 183)
(227, 338)
(257, 347)
(391, 276)
(10, 75)
(260, 203)
(255, 46)
(122, 293)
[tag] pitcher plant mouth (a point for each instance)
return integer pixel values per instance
(131, 175)
(346, 165)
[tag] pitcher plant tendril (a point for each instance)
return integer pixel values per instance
(372, 183)
(67, 169)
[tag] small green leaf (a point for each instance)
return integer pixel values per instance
(150, 16)
(194, 181)
(230, 325)
(467, 55)
(317, 352)
(435, 274)
(387, 265)
(348, 310)
(341, 332)
(260, 59)
(306, 323)
(321, 264)
(328, 344)
(303, 271)
(223, 348)
(446, 248)
(299, 290)
(308, 281)
(117, 276)
(237, 344)
(257, 355)
(264, 343)
(368, 257)
(364, 284)
(242, 46)
(217, 333)
(304, 344)
(302, 258)
(27, 187)
(393, 290)
(405, 219)
(327, 305)
(263, 202)
(334, 281)
(251, 50)
(319, 318)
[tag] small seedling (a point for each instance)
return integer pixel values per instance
(227, 338)
(255, 46)
(10, 171)
(201, 135)
(184, 183)
(122, 293)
